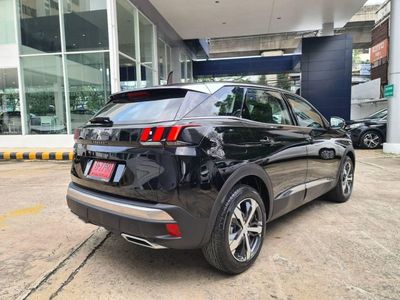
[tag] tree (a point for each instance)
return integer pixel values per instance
(283, 81)
(262, 80)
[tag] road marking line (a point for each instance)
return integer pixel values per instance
(33, 210)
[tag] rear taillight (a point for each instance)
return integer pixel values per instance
(173, 133)
(145, 134)
(77, 133)
(159, 134)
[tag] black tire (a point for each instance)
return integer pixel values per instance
(341, 193)
(229, 224)
(370, 140)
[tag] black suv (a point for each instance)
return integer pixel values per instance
(370, 132)
(206, 166)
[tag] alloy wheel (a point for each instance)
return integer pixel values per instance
(371, 140)
(245, 230)
(347, 178)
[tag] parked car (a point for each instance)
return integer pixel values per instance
(369, 132)
(206, 166)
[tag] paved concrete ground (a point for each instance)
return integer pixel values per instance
(320, 251)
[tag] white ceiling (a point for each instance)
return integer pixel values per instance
(193, 19)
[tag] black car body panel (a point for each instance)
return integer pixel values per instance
(191, 177)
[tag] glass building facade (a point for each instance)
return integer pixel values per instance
(71, 55)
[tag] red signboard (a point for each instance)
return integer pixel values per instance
(379, 51)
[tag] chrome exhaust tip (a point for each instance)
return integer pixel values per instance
(141, 241)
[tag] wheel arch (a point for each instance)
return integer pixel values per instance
(252, 175)
(369, 129)
(350, 153)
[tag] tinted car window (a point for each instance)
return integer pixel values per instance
(305, 114)
(265, 106)
(379, 114)
(225, 102)
(193, 99)
(149, 106)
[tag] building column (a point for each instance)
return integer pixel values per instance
(393, 126)
(327, 29)
(113, 44)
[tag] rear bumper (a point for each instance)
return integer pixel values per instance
(134, 218)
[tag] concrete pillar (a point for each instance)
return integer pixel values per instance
(327, 30)
(393, 125)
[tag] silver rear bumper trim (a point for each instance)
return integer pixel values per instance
(130, 210)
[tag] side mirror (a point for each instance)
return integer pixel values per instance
(337, 123)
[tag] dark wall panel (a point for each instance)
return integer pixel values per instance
(326, 74)
(245, 66)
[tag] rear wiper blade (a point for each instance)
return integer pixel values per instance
(105, 121)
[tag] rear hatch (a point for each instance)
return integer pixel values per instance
(121, 150)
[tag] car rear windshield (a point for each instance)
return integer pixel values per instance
(150, 106)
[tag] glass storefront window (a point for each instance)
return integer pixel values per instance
(189, 73)
(7, 32)
(182, 59)
(127, 73)
(83, 58)
(126, 28)
(40, 26)
(146, 41)
(89, 85)
(162, 62)
(169, 60)
(44, 94)
(186, 67)
(147, 76)
(10, 113)
(85, 25)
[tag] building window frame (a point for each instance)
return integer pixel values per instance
(63, 53)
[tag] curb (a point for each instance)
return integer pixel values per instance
(36, 155)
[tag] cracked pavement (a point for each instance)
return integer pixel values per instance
(322, 250)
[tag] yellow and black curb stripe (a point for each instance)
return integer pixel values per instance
(36, 155)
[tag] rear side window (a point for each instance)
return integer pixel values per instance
(150, 106)
(225, 102)
(265, 106)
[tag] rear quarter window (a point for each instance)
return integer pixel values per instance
(227, 101)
